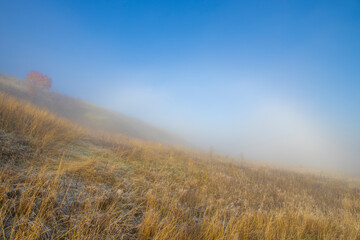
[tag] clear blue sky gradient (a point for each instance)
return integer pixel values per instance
(239, 75)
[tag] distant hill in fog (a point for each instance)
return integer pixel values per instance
(85, 113)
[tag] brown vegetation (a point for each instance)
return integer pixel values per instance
(114, 187)
(83, 113)
(44, 129)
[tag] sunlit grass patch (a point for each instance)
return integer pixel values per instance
(106, 186)
(45, 129)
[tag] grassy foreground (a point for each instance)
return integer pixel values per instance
(60, 181)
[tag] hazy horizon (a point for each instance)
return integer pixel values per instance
(275, 82)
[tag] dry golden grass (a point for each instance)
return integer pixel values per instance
(45, 129)
(123, 188)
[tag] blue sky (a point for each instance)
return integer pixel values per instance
(274, 80)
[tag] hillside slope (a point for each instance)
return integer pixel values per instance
(86, 114)
(61, 181)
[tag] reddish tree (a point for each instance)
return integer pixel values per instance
(38, 79)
